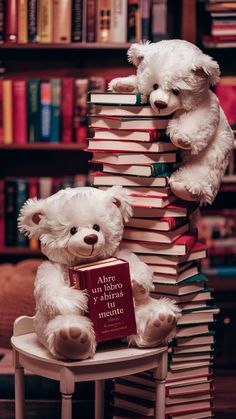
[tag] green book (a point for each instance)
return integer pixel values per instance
(33, 96)
(55, 110)
(116, 98)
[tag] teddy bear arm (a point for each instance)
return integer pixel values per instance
(52, 294)
(195, 129)
(123, 84)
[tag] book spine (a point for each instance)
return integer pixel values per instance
(161, 169)
(2, 198)
(21, 198)
(2, 20)
(91, 21)
(159, 20)
(145, 19)
(45, 105)
(77, 21)
(62, 21)
(11, 21)
(104, 21)
(7, 112)
(67, 109)
(119, 21)
(22, 21)
(134, 21)
(80, 115)
(45, 20)
(19, 111)
(32, 20)
(34, 131)
(55, 110)
(1, 111)
(10, 212)
(33, 193)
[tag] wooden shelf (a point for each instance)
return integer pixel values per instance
(74, 45)
(45, 146)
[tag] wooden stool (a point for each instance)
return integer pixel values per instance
(107, 363)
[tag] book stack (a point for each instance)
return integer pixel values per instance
(220, 24)
(130, 142)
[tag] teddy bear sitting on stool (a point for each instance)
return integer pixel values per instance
(176, 77)
(80, 225)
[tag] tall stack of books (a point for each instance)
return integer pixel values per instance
(219, 24)
(129, 141)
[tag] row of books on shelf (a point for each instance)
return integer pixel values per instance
(220, 24)
(14, 192)
(66, 21)
(159, 233)
(52, 110)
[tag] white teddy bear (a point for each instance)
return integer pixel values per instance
(80, 225)
(176, 77)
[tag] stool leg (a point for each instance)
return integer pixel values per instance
(160, 400)
(66, 406)
(19, 392)
(99, 399)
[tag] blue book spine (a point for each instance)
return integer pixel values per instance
(45, 106)
(55, 110)
(32, 20)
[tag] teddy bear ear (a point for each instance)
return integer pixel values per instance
(136, 53)
(32, 218)
(209, 66)
(120, 197)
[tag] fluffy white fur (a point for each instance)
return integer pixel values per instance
(176, 77)
(61, 222)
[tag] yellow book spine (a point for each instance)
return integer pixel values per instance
(22, 21)
(7, 112)
(45, 21)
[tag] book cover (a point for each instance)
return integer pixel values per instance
(22, 21)
(119, 99)
(104, 179)
(55, 110)
(125, 135)
(119, 21)
(128, 122)
(11, 21)
(45, 111)
(77, 21)
(178, 278)
(45, 21)
(193, 284)
(7, 112)
(110, 301)
(67, 109)
(119, 109)
(19, 88)
(131, 233)
(91, 21)
(133, 158)
(103, 22)
(34, 121)
(2, 20)
(131, 146)
(134, 21)
(32, 20)
(178, 209)
(160, 224)
(62, 10)
(1, 111)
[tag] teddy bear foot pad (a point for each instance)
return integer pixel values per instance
(159, 328)
(73, 343)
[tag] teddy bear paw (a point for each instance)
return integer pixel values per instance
(73, 343)
(117, 85)
(138, 291)
(182, 192)
(159, 328)
(180, 140)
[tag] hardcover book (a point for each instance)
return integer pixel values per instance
(125, 135)
(133, 158)
(130, 146)
(104, 179)
(154, 169)
(110, 301)
(128, 122)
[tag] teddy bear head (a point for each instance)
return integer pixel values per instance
(77, 225)
(174, 74)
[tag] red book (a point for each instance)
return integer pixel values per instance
(110, 301)
(67, 109)
(226, 91)
(1, 112)
(19, 111)
(11, 21)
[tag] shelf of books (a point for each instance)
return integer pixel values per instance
(130, 148)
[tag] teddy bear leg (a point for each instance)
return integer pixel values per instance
(71, 336)
(156, 321)
(123, 84)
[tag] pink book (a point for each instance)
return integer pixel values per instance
(11, 21)
(67, 109)
(19, 112)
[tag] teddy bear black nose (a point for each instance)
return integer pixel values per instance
(91, 239)
(160, 105)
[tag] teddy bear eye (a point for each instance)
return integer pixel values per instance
(176, 92)
(73, 230)
(96, 227)
(155, 86)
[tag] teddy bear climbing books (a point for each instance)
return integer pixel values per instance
(110, 301)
